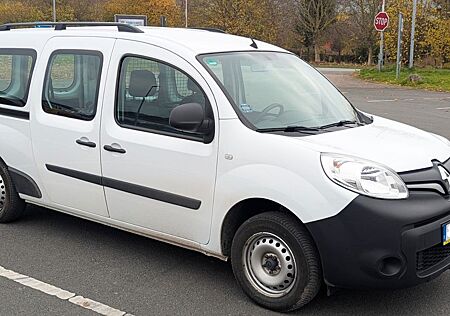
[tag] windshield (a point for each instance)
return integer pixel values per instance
(278, 90)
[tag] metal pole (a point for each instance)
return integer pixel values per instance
(54, 10)
(413, 31)
(163, 21)
(186, 12)
(381, 55)
(399, 44)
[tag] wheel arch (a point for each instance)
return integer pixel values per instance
(242, 211)
(23, 183)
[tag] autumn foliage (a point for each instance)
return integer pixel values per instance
(432, 36)
(152, 9)
(315, 29)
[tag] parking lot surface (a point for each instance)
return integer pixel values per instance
(136, 275)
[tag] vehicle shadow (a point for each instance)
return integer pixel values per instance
(151, 277)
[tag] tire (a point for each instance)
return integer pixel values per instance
(276, 262)
(11, 205)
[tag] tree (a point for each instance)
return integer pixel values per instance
(284, 20)
(251, 18)
(432, 37)
(152, 9)
(314, 17)
(341, 37)
(437, 37)
(362, 13)
(18, 11)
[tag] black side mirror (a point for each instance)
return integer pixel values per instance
(190, 117)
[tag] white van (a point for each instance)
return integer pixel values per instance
(224, 145)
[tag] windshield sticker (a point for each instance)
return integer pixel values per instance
(246, 108)
(212, 62)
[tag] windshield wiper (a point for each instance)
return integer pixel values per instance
(290, 129)
(340, 123)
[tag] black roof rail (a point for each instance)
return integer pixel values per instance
(210, 29)
(59, 26)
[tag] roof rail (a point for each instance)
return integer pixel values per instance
(210, 29)
(59, 26)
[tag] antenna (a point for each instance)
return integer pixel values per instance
(253, 44)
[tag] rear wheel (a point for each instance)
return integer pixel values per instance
(276, 261)
(11, 206)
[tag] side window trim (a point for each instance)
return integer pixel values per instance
(99, 77)
(208, 108)
(14, 52)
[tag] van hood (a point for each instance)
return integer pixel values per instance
(398, 146)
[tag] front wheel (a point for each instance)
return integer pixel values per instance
(276, 262)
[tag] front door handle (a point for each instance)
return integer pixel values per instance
(114, 149)
(83, 141)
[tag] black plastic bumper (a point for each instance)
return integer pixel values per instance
(377, 243)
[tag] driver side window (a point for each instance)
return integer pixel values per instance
(149, 90)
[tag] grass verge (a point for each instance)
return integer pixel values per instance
(432, 79)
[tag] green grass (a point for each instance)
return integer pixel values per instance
(432, 79)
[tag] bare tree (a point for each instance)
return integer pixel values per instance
(314, 17)
(362, 13)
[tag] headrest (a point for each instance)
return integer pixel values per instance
(191, 85)
(141, 81)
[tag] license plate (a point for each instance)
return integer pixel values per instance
(446, 233)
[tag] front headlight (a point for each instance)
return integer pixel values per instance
(364, 176)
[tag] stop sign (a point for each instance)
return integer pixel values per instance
(381, 21)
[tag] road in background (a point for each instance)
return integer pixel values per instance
(146, 277)
(424, 109)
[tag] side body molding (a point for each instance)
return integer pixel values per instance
(131, 188)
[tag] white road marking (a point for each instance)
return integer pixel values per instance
(437, 98)
(446, 108)
(378, 101)
(417, 99)
(64, 295)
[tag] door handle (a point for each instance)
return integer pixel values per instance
(114, 150)
(85, 142)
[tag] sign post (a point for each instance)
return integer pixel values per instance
(186, 12)
(413, 31)
(54, 10)
(399, 45)
(163, 21)
(381, 23)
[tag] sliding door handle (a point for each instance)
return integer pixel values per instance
(114, 149)
(83, 141)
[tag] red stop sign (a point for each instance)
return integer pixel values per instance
(381, 21)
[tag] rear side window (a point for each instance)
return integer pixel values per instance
(63, 71)
(16, 69)
(149, 90)
(71, 84)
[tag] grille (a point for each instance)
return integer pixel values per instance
(432, 256)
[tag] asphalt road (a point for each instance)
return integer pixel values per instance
(146, 277)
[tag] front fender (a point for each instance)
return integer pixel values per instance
(310, 200)
(285, 170)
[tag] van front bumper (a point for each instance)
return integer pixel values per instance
(375, 243)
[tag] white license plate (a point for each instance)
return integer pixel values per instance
(446, 233)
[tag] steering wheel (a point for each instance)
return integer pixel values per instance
(266, 111)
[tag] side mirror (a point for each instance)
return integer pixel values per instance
(190, 117)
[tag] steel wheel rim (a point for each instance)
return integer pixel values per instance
(2, 193)
(269, 264)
